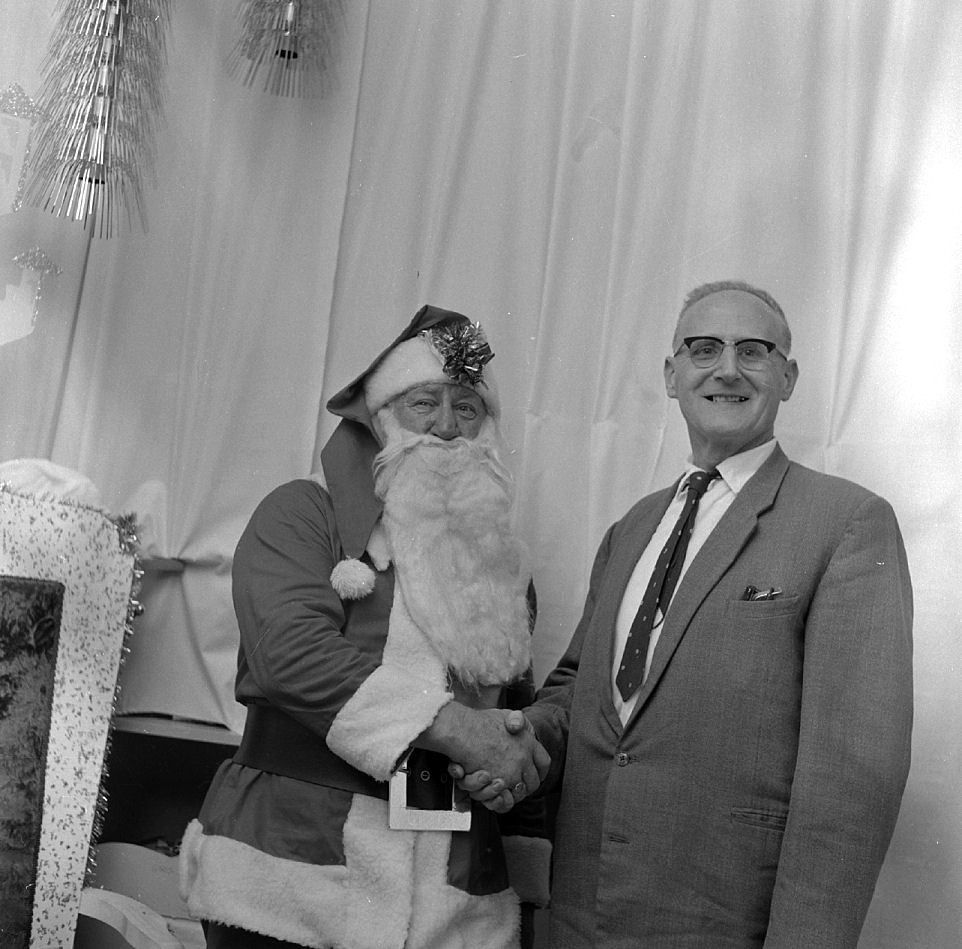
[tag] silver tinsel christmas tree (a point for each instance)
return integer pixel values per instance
(100, 99)
(290, 44)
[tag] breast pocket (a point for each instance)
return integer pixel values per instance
(760, 645)
(764, 613)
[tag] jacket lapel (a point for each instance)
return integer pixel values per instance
(711, 562)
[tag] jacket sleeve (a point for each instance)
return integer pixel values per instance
(551, 710)
(525, 830)
(854, 739)
(293, 651)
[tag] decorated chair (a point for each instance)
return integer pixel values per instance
(68, 577)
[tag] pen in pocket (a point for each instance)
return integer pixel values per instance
(753, 593)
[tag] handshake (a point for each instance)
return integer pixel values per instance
(495, 755)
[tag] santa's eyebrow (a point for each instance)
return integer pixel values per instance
(425, 389)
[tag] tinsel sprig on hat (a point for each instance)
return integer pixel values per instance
(463, 349)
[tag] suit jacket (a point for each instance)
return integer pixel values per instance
(750, 799)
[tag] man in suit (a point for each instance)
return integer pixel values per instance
(741, 789)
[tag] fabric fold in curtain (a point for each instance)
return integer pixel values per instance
(564, 173)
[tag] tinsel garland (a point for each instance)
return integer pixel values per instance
(99, 100)
(15, 102)
(129, 541)
(37, 259)
(292, 44)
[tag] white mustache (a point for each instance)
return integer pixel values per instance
(439, 456)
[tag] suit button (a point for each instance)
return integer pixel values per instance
(621, 758)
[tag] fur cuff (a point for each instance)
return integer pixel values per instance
(378, 725)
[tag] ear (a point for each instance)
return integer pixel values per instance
(790, 378)
(377, 424)
(669, 371)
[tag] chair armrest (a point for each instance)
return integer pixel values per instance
(137, 923)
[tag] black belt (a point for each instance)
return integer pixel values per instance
(279, 744)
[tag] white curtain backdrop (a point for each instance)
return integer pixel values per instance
(563, 171)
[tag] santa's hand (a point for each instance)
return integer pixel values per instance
(483, 788)
(500, 803)
(479, 784)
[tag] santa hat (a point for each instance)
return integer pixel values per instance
(449, 351)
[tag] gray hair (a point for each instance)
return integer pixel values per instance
(717, 286)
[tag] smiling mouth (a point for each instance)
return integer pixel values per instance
(727, 398)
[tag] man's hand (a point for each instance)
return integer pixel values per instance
(486, 743)
(492, 791)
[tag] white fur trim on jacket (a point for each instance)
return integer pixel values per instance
(398, 701)
(391, 893)
(229, 882)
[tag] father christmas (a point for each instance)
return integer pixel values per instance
(384, 623)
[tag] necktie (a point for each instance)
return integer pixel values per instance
(661, 586)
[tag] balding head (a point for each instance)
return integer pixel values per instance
(722, 286)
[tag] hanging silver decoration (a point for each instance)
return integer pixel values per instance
(36, 259)
(21, 112)
(290, 44)
(99, 101)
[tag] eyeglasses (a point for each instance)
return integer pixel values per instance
(705, 351)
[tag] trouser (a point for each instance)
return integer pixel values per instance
(227, 937)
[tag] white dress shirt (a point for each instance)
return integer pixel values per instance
(734, 473)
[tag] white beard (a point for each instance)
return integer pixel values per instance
(458, 566)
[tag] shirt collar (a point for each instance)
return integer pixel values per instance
(736, 470)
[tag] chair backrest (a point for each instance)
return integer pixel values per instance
(68, 577)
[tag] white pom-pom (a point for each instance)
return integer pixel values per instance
(352, 579)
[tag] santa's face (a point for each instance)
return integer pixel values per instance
(444, 410)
